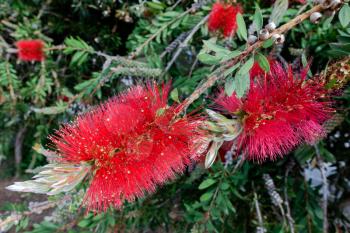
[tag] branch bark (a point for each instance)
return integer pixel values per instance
(250, 49)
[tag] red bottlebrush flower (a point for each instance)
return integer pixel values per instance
(64, 98)
(30, 50)
(278, 113)
(133, 143)
(223, 17)
(257, 71)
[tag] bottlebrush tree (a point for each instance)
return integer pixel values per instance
(226, 116)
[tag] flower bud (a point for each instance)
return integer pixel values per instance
(270, 26)
(332, 4)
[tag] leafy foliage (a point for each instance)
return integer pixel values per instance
(82, 68)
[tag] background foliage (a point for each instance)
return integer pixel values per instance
(35, 98)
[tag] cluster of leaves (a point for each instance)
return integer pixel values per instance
(36, 97)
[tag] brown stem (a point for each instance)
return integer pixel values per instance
(18, 148)
(218, 75)
(183, 44)
(258, 211)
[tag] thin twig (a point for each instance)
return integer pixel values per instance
(192, 67)
(286, 201)
(165, 26)
(173, 45)
(225, 66)
(14, 217)
(258, 212)
(324, 188)
(175, 5)
(192, 9)
(185, 42)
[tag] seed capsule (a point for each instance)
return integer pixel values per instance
(332, 4)
(335, 4)
(270, 26)
(264, 34)
(252, 39)
(315, 17)
(278, 38)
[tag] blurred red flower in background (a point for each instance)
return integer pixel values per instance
(30, 50)
(133, 143)
(223, 17)
(280, 111)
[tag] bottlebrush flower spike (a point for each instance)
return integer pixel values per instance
(279, 112)
(223, 17)
(257, 71)
(30, 50)
(133, 144)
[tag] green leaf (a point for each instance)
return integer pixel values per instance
(210, 45)
(258, 18)
(98, 217)
(208, 59)
(174, 95)
(327, 22)
(242, 28)
(224, 186)
(231, 69)
(73, 44)
(230, 206)
(229, 86)
(344, 15)
(206, 197)
(231, 55)
(263, 62)
(85, 84)
(268, 43)
(171, 14)
(206, 183)
(84, 223)
(246, 66)
(304, 153)
(242, 82)
(50, 110)
(156, 5)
